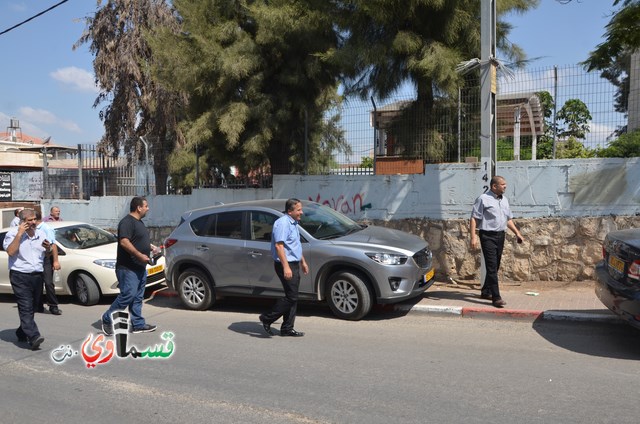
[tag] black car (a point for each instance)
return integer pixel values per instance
(618, 275)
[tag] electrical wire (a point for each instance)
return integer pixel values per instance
(33, 17)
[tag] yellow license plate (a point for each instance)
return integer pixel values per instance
(155, 269)
(616, 264)
(429, 275)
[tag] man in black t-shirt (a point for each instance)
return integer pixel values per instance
(134, 247)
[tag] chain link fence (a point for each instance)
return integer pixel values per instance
(536, 108)
(449, 129)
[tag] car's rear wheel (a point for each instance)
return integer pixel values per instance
(86, 289)
(195, 290)
(348, 295)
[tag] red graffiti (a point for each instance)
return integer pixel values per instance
(343, 204)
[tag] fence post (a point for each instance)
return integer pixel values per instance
(80, 184)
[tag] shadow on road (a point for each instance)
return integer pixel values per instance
(607, 340)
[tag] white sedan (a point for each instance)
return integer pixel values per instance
(87, 257)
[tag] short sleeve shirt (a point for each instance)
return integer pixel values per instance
(30, 256)
(137, 233)
(491, 212)
(50, 233)
(285, 230)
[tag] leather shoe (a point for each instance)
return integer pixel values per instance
(291, 333)
(266, 325)
(35, 342)
(55, 310)
(499, 303)
(486, 296)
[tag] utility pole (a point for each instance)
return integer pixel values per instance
(488, 91)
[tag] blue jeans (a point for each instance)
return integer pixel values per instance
(132, 285)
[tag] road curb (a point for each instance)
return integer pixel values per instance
(471, 312)
(515, 314)
(164, 292)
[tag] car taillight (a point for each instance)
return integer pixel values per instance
(634, 270)
(169, 242)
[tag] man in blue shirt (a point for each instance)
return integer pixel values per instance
(492, 216)
(286, 251)
(26, 247)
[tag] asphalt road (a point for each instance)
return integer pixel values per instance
(389, 368)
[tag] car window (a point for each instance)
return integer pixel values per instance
(83, 236)
(204, 226)
(262, 225)
(229, 224)
(224, 224)
(323, 222)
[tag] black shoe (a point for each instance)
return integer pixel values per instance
(147, 328)
(55, 310)
(486, 296)
(35, 342)
(499, 303)
(40, 310)
(21, 336)
(291, 333)
(266, 325)
(107, 328)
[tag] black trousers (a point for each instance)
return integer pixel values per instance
(286, 306)
(492, 243)
(49, 286)
(27, 288)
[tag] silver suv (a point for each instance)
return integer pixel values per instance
(226, 250)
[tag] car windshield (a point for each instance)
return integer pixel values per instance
(322, 222)
(83, 236)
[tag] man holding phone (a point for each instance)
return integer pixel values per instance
(26, 247)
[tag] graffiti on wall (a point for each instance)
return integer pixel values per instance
(346, 204)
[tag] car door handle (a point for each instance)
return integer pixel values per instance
(202, 247)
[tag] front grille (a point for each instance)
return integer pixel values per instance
(152, 279)
(423, 258)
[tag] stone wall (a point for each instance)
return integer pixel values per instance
(555, 249)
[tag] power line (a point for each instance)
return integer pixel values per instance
(33, 17)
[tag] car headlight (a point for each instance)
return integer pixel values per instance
(107, 263)
(387, 258)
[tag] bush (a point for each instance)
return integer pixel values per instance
(625, 146)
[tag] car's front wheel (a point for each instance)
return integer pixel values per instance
(86, 289)
(348, 295)
(195, 290)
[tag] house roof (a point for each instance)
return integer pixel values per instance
(531, 113)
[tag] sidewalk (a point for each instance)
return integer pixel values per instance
(572, 301)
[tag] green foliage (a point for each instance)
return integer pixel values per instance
(613, 57)
(387, 42)
(572, 148)
(367, 162)
(256, 79)
(576, 117)
(625, 146)
(573, 118)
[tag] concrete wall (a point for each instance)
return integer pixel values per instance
(563, 207)
(559, 188)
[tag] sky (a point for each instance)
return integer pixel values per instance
(49, 87)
